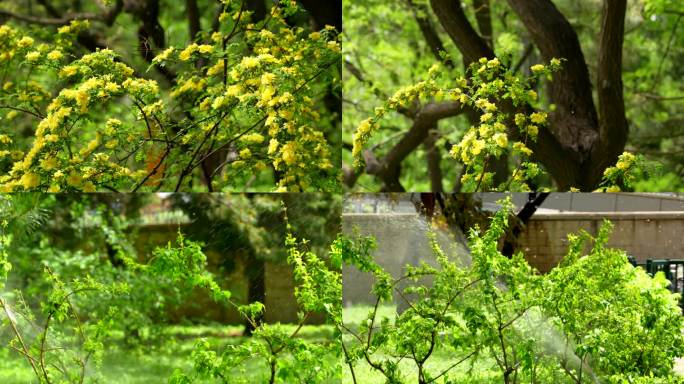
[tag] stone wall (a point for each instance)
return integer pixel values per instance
(644, 235)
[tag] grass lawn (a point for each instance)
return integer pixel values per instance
(440, 360)
(485, 371)
(155, 364)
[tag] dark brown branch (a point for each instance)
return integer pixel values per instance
(429, 32)
(52, 11)
(612, 120)
(107, 17)
(462, 33)
(66, 19)
(192, 10)
(483, 15)
(575, 119)
(427, 117)
(433, 158)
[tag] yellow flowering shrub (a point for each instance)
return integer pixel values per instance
(486, 89)
(246, 103)
(627, 170)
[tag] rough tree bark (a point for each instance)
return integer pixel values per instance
(580, 142)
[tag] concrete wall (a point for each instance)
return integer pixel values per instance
(401, 240)
(644, 235)
(597, 202)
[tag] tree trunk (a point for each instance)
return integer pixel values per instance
(256, 287)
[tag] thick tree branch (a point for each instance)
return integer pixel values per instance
(483, 15)
(575, 120)
(356, 72)
(462, 33)
(433, 158)
(55, 18)
(193, 18)
(612, 121)
(258, 7)
(389, 168)
(52, 11)
(429, 32)
(324, 13)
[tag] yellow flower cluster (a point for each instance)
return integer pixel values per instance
(189, 51)
(625, 161)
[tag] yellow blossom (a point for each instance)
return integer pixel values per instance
(537, 68)
(245, 153)
(625, 161)
(520, 147)
(365, 127)
(267, 93)
(486, 117)
(164, 55)
(74, 179)
(49, 163)
(216, 69)
(205, 48)
(253, 138)
(82, 100)
(186, 54)
(68, 71)
(54, 188)
(89, 187)
(29, 180)
(538, 117)
(55, 55)
(273, 146)
(25, 42)
(267, 78)
(112, 87)
(33, 56)
(477, 147)
(501, 140)
(289, 153)
(519, 119)
(234, 90)
(218, 102)
(314, 35)
(249, 62)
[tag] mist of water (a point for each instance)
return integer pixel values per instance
(402, 240)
